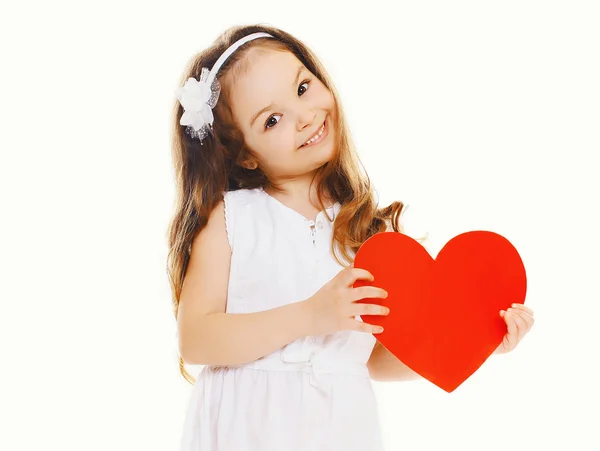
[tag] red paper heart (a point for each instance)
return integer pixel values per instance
(444, 321)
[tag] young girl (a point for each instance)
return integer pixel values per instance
(269, 191)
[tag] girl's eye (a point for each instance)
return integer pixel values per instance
(307, 82)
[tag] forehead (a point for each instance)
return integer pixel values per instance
(267, 76)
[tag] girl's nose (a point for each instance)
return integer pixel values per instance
(306, 119)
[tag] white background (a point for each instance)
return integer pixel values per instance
(480, 115)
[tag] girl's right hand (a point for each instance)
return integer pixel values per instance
(333, 307)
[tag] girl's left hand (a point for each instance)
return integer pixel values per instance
(519, 320)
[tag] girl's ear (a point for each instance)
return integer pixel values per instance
(252, 165)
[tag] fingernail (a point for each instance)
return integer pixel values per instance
(502, 312)
(514, 305)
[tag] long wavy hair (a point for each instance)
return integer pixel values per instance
(204, 171)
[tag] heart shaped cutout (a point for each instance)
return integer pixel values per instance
(444, 317)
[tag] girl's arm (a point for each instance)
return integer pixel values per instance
(384, 366)
(238, 338)
(209, 336)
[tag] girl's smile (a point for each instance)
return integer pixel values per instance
(324, 130)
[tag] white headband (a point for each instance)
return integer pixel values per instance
(198, 98)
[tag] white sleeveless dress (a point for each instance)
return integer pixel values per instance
(314, 394)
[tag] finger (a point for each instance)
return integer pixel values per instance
(358, 273)
(512, 333)
(526, 318)
(523, 308)
(520, 324)
(368, 292)
(370, 309)
(361, 326)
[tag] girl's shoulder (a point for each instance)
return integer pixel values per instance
(234, 202)
(242, 195)
(236, 199)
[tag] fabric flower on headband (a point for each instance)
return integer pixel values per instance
(198, 100)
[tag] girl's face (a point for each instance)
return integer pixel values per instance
(279, 105)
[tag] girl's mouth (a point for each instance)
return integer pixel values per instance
(324, 131)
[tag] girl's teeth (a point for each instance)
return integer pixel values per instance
(316, 136)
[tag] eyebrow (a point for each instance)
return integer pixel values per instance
(300, 69)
